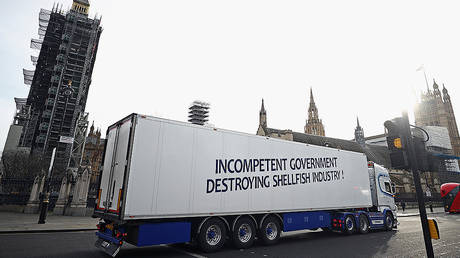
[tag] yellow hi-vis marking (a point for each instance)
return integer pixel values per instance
(397, 143)
(434, 230)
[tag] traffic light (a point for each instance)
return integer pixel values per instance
(397, 143)
(421, 154)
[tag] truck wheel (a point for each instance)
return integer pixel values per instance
(388, 222)
(212, 235)
(363, 224)
(349, 227)
(243, 234)
(270, 231)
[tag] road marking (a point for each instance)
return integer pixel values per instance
(186, 252)
(44, 233)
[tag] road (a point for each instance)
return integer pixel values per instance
(407, 241)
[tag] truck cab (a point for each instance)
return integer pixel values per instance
(382, 190)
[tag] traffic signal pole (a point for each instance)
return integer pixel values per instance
(418, 187)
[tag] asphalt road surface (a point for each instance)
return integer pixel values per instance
(407, 241)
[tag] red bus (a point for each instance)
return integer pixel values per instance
(450, 194)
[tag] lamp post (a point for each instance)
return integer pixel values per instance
(46, 195)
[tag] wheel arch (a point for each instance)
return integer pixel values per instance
(280, 219)
(225, 221)
(244, 216)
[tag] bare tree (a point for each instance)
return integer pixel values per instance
(23, 165)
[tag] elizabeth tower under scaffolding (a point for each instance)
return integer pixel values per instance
(67, 45)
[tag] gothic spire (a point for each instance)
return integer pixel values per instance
(262, 116)
(313, 124)
(311, 96)
(445, 94)
(444, 90)
(91, 129)
(262, 108)
(435, 85)
(359, 133)
(312, 110)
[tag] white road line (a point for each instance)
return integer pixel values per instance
(185, 252)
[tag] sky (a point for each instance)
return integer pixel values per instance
(156, 57)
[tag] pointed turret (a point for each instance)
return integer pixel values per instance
(91, 129)
(436, 91)
(262, 108)
(445, 94)
(312, 100)
(359, 133)
(313, 125)
(312, 110)
(262, 115)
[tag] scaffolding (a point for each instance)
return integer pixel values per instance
(79, 141)
(34, 60)
(67, 44)
(22, 112)
(198, 112)
(28, 76)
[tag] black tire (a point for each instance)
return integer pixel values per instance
(270, 231)
(388, 221)
(244, 233)
(363, 224)
(212, 235)
(349, 226)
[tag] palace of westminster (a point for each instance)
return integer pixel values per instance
(433, 112)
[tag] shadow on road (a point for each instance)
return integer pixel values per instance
(303, 244)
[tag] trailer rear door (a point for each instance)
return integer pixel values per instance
(115, 166)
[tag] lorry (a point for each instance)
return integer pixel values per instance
(166, 181)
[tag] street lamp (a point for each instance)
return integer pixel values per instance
(46, 195)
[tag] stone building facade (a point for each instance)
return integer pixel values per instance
(435, 109)
(92, 155)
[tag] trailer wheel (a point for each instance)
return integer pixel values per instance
(388, 221)
(349, 227)
(212, 235)
(270, 231)
(243, 234)
(363, 224)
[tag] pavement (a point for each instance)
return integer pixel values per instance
(415, 212)
(11, 222)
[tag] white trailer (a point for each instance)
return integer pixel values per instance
(204, 184)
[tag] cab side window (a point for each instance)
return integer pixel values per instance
(387, 187)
